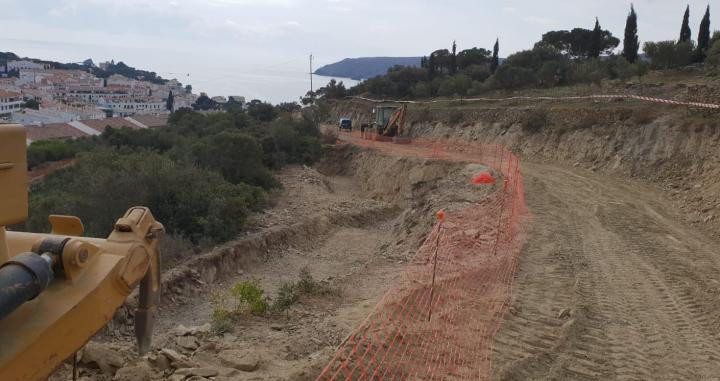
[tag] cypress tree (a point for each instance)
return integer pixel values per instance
(495, 63)
(431, 65)
(170, 102)
(631, 44)
(685, 32)
(703, 37)
(596, 40)
(453, 59)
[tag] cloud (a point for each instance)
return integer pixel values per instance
(539, 20)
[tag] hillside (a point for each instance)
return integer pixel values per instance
(113, 68)
(366, 67)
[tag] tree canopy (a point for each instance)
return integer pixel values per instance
(578, 43)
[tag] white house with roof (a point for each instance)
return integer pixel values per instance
(131, 107)
(25, 65)
(10, 102)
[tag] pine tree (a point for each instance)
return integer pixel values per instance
(596, 41)
(453, 59)
(703, 37)
(495, 63)
(685, 32)
(170, 102)
(631, 44)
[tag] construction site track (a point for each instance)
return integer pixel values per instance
(611, 285)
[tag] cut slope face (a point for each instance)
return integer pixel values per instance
(439, 319)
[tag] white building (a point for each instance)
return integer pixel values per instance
(10, 102)
(26, 65)
(130, 108)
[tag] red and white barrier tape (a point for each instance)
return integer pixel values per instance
(609, 96)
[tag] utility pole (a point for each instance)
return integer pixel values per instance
(311, 73)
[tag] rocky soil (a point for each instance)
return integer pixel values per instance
(353, 222)
(676, 149)
(617, 279)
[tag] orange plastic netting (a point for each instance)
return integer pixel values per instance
(438, 321)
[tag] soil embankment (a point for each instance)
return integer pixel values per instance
(617, 278)
(353, 222)
(675, 149)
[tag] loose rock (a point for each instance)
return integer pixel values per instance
(241, 360)
(133, 373)
(202, 372)
(102, 356)
(187, 342)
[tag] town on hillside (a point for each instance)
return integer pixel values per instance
(57, 102)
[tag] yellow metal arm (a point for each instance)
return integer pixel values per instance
(84, 280)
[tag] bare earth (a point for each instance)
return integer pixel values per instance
(611, 285)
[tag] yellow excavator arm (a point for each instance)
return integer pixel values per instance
(58, 290)
(396, 124)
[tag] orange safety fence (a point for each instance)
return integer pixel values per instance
(439, 319)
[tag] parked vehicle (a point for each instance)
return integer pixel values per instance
(345, 124)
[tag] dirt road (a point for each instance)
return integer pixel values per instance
(611, 285)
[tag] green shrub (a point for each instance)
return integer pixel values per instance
(191, 202)
(535, 120)
(222, 317)
(201, 176)
(290, 293)
(237, 156)
(242, 299)
(249, 296)
(309, 286)
(51, 150)
(286, 297)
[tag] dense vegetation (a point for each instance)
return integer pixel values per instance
(560, 58)
(201, 176)
(130, 72)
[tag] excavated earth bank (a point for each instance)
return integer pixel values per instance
(353, 221)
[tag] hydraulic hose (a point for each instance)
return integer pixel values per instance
(22, 279)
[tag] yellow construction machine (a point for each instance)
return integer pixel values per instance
(389, 121)
(58, 290)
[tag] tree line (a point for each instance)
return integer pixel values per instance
(560, 58)
(202, 175)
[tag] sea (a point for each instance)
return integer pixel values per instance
(274, 79)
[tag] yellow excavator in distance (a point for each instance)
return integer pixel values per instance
(58, 290)
(389, 122)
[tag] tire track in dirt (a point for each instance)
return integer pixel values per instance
(610, 286)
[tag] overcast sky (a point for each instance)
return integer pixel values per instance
(282, 29)
(189, 35)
